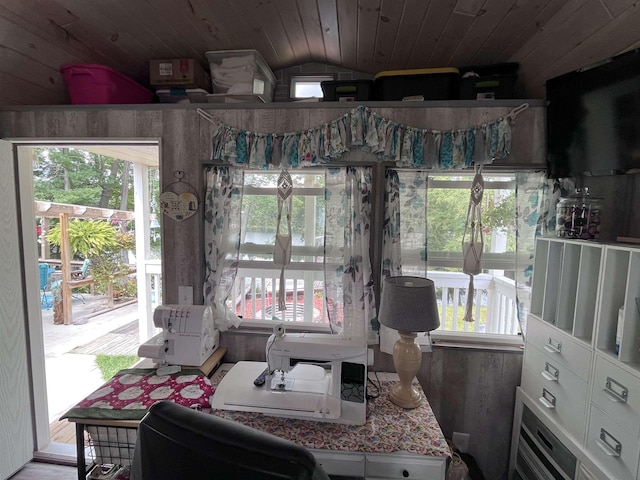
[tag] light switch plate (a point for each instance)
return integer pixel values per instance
(185, 295)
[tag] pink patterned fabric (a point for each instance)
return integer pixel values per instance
(130, 393)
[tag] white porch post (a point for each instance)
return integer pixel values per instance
(143, 250)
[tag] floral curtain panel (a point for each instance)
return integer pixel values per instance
(348, 273)
(414, 187)
(348, 276)
(536, 200)
(223, 203)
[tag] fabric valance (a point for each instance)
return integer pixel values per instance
(362, 128)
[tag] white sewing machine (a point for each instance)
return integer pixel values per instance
(188, 335)
(312, 376)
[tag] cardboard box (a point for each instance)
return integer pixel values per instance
(178, 72)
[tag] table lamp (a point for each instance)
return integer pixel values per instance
(408, 305)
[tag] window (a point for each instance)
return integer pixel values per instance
(328, 284)
(432, 209)
(421, 222)
(255, 292)
(307, 87)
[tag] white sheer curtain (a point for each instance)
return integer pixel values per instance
(536, 199)
(350, 299)
(414, 183)
(223, 203)
(348, 274)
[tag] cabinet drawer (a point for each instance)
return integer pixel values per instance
(617, 393)
(566, 407)
(612, 446)
(560, 346)
(551, 371)
(401, 466)
(340, 463)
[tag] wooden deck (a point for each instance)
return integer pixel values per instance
(121, 341)
(61, 431)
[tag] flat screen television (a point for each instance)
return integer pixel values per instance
(593, 119)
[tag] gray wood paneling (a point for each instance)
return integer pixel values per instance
(470, 391)
(16, 435)
(185, 144)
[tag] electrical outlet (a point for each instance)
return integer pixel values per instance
(185, 295)
(461, 441)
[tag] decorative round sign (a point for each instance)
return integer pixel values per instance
(178, 206)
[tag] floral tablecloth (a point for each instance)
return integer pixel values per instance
(389, 428)
(130, 393)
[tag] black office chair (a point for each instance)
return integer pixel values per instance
(175, 442)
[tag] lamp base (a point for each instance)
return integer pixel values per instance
(405, 397)
(406, 358)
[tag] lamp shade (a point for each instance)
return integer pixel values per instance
(408, 304)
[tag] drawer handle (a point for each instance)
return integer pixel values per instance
(547, 399)
(553, 348)
(550, 372)
(608, 444)
(615, 391)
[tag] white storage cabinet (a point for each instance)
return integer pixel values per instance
(581, 370)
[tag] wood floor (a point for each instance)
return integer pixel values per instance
(46, 471)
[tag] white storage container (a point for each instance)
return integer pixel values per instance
(241, 72)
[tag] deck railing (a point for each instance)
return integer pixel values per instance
(255, 292)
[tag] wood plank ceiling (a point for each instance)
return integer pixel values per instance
(546, 37)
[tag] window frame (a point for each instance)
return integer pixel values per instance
(453, 259)
(265, 267)
(436, 338)
(297, 79)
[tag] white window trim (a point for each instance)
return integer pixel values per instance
(469, 340)
(454, 259)
(265, 268)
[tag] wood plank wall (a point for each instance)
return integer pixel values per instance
(185, 144)
(471, 391)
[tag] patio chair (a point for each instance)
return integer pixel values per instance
(45, 284)
(80, 274)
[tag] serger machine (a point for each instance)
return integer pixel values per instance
(309, 376)
(188, 335)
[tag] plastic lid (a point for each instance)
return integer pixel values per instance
(418, 71)
(581, 195)
(215, 54)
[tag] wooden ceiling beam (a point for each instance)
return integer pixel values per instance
(51, 210)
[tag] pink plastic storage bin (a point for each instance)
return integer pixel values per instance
(99, 84)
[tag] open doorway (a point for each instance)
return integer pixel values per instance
(69, 336)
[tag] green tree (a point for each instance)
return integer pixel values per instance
(69, 175)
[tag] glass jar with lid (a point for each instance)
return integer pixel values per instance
(579, 216)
